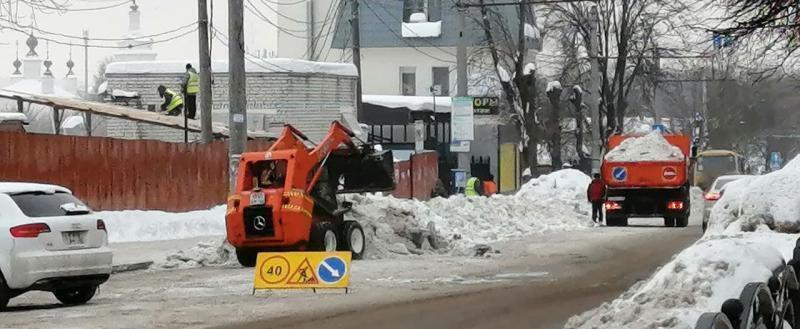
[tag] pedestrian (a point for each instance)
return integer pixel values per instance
(489, 186)
(173, 103)
(596, 193)
(190, 86)
(474, 187)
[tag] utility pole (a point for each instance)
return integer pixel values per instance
(355, 28)
(461, 53)
(593, 101)
(657, 64)
(205, 72)
(87, 117)
(237, 96)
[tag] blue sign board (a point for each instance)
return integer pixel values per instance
(331, 269)
(775, 161)
(619, 174)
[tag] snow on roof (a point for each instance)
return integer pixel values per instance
(503, 74)
(553, 85)
(529, 69)
(650, 147)
(14, 188)
(413, 103)
(34, 86)
(422, 29)
(124, 93)
(13, 116)
(263, 65)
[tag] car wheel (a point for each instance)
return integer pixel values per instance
(75, 296)
(681, 221)
(669, 222)
(323, 237)
(246, 257)
(354, 239)
(5, 293)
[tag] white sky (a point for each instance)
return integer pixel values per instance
(156, 16)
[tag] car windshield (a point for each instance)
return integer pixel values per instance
(717, 164)
(41, 204)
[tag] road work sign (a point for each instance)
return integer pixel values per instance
(291, 270)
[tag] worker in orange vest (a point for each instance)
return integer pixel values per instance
(489, 187)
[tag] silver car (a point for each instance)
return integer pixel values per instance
(715, 192)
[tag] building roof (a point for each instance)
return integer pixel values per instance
(123, 112)
(260, 65)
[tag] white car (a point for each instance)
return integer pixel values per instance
(715, 192)
(50, 241)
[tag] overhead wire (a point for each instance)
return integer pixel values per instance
(69, 36)
(257, 63)
(67, 43)
(63, 8)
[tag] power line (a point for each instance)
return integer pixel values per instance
(34, 28)
(104, 46)
(66, 9)
(225, 43)
(401, 37)
(264, 18)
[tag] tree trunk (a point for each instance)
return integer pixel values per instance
(553, 127)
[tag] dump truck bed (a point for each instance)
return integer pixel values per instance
(650, 174)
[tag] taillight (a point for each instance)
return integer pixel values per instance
(712, 196)
(613, 205)
(29, 230)
(101, 225)
(675, 205)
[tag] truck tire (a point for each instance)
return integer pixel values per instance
(353, 239)
(681, 221)
(617, 221)
(246, 257)
(75, 296)
(323, 237)
(669, 222)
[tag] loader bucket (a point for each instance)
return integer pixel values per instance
(362, 172)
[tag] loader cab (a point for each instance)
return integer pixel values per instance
(265, 174)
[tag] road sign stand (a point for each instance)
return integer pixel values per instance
(302, 270)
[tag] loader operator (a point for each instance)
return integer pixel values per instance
(273, 176)
(173, 103)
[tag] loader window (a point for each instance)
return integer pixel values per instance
(269, 173)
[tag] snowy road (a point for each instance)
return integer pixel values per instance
(540, 279)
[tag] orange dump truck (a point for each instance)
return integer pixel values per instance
(642, 186)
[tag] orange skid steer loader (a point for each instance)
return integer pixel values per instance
(285, 198)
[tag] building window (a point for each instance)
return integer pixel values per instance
(441, 78)
(408, 81)
(431, 8)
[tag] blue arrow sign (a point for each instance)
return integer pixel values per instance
(619, 173)
(331, 270)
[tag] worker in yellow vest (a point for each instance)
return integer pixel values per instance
(173, 103)
(473, 187)
(190, 85)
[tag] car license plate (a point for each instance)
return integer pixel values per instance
(257, 198)
(73, 238)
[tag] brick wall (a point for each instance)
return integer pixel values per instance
(308, 101)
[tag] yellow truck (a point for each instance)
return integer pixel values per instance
(711, 164)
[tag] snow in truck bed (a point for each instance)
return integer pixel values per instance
(650, 147)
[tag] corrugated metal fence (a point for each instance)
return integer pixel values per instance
(122, 174)
(417, 176)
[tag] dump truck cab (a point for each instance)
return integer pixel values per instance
(711, 164)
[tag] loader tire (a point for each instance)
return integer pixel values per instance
(353, 239)
(681, 221)
(246, 257)
(323, 237)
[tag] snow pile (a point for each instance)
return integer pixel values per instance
(697, 280)
(549, 203)
(650, 147)
(211, 253)
(768, 202)
(566, 185)
(553, 85)
(138, 225)
(422, 29)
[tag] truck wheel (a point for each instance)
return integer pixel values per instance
(354, 239)
(617, 221)
(323, 237)
(682, 221)
(669, 222)
(246, 257)
(5, 293)
(75, 296)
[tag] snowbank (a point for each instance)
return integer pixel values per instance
(413, 103)
(768, 202)
(697, 280)
(261, 65)
(211, 253)
(650, 147)
(138, 225)
(549, 203)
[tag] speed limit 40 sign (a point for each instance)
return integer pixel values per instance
(288, 270)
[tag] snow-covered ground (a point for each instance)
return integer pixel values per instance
(138, 225)
(752, 230)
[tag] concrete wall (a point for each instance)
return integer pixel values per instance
(308, 101)
(381, 69)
